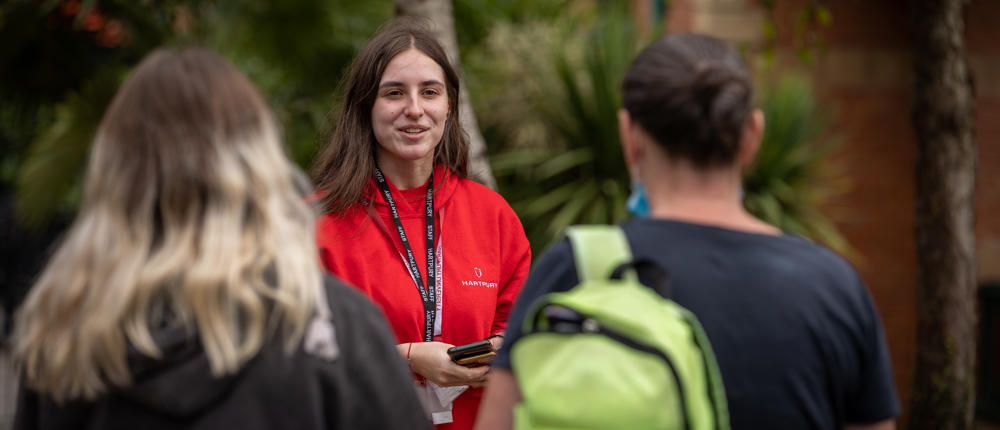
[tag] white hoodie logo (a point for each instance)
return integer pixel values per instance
(477, 282)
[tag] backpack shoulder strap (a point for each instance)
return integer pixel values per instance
(598, 250)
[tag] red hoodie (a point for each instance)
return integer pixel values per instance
(484, 257)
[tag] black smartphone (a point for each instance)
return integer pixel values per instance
(472, 353)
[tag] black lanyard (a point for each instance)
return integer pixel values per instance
(426, 294)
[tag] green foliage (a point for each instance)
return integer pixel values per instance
(60, 63)
(47, 53)
(50, 178)
(548, 104)
(295, 51)
(68, 57)
(475, 19)
(543, 76)
(791, 177)
(547, 96)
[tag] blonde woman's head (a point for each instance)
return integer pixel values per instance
(190, 209)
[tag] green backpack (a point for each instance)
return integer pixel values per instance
(612, 353)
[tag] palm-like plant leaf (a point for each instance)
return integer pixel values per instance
(579, 174)
(560, 162)
(791, 177)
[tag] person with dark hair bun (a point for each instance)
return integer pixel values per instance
(442, 256)
(795, 333)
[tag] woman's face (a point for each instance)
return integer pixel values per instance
(411, 108)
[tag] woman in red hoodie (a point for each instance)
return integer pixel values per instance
(442, 256)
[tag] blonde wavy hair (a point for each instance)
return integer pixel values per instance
(191, 210)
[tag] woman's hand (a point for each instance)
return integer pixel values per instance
(431, 360)
(496, 341)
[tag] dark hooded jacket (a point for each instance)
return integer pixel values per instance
(366, 386)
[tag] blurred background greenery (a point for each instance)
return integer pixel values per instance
(543, 77)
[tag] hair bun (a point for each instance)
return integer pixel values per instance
(692, 93)
(723, 93)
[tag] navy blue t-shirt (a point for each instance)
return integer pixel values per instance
(797, 338)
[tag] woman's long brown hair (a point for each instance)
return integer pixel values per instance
(347, 162)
